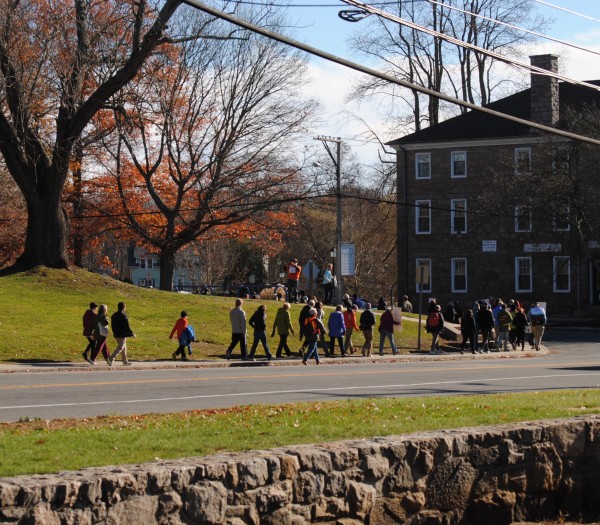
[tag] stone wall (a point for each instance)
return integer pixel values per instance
(487, 476)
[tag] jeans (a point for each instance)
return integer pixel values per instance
(260, 335)
(235, 339)
(383, 335)
(313, 349)
(502, 336)
(435, 346)
(283, 346)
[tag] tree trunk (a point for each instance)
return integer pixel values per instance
(167, 268)
(47, 234)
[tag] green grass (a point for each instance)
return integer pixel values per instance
(50, 446)
(42, 310)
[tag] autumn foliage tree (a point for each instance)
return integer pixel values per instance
(60, 64)
(205, 143)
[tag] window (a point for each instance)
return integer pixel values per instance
(522, 160)
(560, 221)
(145, 262)
(422, 216)
(458, 161)
(458, 216)
(459, 275)
(424, 266)
(180, 283)
(142, 263)
(562, 274)
(522, 218)
(423, 165)
(523, 274)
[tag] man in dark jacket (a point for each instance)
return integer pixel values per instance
(119, 323)
(366, 324)
(485, 323)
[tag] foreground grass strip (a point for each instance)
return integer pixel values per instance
(50, 446)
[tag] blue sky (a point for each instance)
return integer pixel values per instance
(322, 28)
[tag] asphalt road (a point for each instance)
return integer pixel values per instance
(573, 361)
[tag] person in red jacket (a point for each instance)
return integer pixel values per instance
(386, 330)
(294, 271)
(351, 325)
(180, 326)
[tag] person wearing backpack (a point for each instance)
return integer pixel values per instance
(537, 318)
(435, 325)
(367, 322)
(504, 324)
(313, 328)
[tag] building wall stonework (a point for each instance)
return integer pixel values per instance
(488, 476)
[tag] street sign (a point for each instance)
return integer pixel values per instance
(348, 260)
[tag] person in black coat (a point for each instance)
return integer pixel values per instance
(467, 330)
(485, 322)
(258, 321)
(119, 323)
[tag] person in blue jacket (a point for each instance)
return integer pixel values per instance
(337, 329)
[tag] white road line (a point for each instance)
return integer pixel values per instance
(297, 391)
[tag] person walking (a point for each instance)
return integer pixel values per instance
(321, 317)
(406, 304)
(386, 330)
(485, 322)
(537, 318)
(435, 325)
(294, 270)
(351, 326)
(100, 334)
(179, 330)
(468, 331)
(88, 329)
(119, 322)
(367, 322)
(301, 322)
(520, 322)
(237, 316)
(313, 328)
(337, 329)
(258, 321)
(504, 325)
(283, 324)
(328, 284)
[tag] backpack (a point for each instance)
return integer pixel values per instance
(433, 320)
(310, 328)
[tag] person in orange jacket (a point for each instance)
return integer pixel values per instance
(179, 328)
(351, 325)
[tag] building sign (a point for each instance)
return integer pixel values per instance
(593, 245)
(488, 246)
(348, 260)
(542, 248)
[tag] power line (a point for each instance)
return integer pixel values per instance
(511, 26)
(567, 10)
(363, 69)
(461, 43)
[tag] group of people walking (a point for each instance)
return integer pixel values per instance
(509, 322)
(96, 331)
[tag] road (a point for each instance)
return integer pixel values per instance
(573, 362)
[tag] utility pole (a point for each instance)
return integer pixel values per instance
(338, 231)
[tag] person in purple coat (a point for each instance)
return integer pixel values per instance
(337, 329)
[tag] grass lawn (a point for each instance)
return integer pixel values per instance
(42, 311)
(50, 446)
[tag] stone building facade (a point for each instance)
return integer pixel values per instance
(465, 256)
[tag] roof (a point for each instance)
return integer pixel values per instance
(475, 125)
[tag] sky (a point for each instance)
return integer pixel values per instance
(321, 27)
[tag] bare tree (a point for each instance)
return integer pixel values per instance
(205, 143)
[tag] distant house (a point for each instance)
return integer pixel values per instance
(440, 172)
(145, 271)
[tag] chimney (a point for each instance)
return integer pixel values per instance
(545, 106)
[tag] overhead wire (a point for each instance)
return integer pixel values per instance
(461, 43)
(383, 76)
(567, 10)
(511, 26)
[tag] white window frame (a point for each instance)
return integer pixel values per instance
(555, 267)
(422, 205)
(519, 213)
(418, 263)
(453, 267)
(518, 157)
(422, 158)
(453, 162)
(567, 213)
(518, 274)
(453, 215)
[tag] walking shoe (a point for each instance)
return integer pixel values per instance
(110, 361)
(183, 358)
(174, 356)
(318, 362)
(128, 363)
(85, 356)
(93, 363)
(304, 362)
(380, 353)
(228, 355)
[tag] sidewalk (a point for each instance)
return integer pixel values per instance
(82, 366)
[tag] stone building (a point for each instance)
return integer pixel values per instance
(441, 170)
